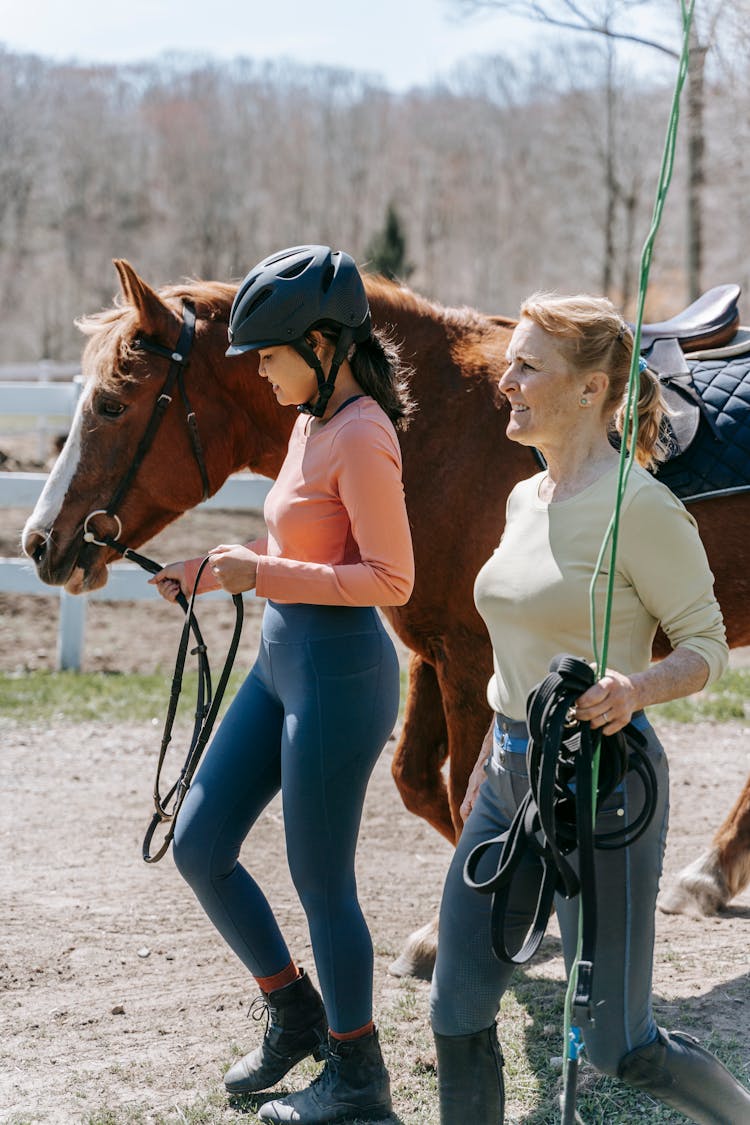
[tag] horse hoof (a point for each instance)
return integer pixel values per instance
(417, 959)
(700, 890)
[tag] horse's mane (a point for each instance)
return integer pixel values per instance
(393, 294)
(108, 351)
(477, 342)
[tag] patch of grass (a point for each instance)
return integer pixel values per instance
(113, 696)
(725, 701)
(407, 1004)
(83, 697)
(129, 1116)
(212, 1109)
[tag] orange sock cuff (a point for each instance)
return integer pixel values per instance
(366, 1029)
(279, 980)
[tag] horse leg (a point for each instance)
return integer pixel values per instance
(416, 768)
(708, 884)
(467, 716)
(422, 750)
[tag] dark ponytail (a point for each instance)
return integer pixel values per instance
(378, 368)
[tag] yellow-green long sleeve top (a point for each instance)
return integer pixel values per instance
(533, 593)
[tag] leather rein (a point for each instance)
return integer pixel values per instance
(208, 702)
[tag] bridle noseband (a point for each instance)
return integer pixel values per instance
(179, 358)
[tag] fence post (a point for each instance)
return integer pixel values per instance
(70, 632)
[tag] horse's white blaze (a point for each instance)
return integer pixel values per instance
(42, 519)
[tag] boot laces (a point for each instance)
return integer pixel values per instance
(260, 1009)
(332, 1061)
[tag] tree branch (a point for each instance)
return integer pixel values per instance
(532, 9)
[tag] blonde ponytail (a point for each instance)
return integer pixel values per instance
(651, 448)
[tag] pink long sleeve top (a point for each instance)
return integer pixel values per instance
(338, 532)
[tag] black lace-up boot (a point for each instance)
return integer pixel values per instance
(353, 1085)
(296, 1027)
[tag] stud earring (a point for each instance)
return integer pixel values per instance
(584, 402)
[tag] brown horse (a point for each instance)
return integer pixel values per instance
(458, 470)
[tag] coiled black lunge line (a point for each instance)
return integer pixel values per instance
(555, 817)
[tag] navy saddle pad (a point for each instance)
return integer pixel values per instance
(718, 457)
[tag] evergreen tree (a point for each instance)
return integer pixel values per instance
(386, 252)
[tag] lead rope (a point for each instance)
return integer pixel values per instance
(205, 719)
(573, 1039)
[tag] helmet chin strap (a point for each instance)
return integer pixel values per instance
(325, 385)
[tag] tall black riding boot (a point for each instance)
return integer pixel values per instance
(296, 1027)
(353, 1084)
(470, 1078)
(682, 1074)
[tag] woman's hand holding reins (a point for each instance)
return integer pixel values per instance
(235, 567)
(609, 704)
(170, 581)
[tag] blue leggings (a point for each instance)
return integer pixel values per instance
(469, 980)
(310, 720)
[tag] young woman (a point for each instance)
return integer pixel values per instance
(568, 367)
(322, 698)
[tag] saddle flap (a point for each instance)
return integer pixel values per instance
(681, 425)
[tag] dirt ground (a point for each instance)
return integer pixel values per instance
(118, 996)
(121, 1004)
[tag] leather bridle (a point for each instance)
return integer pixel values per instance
(179, 359)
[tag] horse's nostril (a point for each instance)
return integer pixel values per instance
(34, 545)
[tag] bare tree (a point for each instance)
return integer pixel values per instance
(499, 173)
(602, 17)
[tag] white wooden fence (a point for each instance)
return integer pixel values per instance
(46, 390)
(127, 582)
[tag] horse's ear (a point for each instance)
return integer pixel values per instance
(155, 318)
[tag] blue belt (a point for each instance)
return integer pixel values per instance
(509, 731)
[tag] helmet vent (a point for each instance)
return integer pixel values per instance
(327, 278)
(262, 296)
(295, 270)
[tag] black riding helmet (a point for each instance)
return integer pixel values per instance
(289, 293)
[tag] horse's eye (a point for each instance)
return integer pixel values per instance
(110, 407)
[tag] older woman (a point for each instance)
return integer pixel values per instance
(567, 373)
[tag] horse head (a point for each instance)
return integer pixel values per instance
(132, 463)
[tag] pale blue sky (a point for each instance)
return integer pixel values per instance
(405, 42)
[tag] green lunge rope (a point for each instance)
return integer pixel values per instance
(573, 1044)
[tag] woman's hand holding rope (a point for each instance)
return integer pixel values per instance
(235, 567)
(609, 704)
(170, 582)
